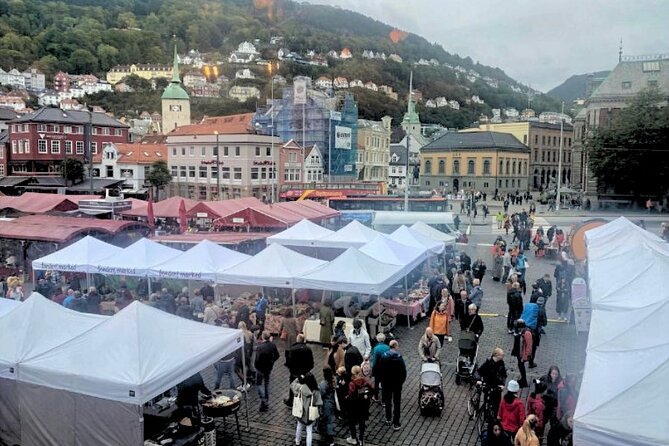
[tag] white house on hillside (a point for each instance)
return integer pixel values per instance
(313, 164)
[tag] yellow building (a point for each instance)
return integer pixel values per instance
(145, 71)
(373, 150)
(480, 161)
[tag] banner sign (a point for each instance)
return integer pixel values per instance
(300, 91)
(342, 137)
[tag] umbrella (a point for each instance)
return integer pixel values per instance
(150, 218)
(183, 222)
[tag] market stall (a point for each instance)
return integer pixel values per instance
(137, 259)
(353, 235)
(37, 325)
(98, 381)
(82, 256)
(304, 233)
(201, 262)
(410, 237)
(434, 234)
(412, 305)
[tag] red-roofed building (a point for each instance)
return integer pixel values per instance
(225, 151)
(128, 162)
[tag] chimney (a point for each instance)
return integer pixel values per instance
(386, 122)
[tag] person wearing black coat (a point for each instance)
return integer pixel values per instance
(462, 309)
(493, 374)
(514, 300)
(352, 357)
(266, 355)
(300, 361)
(393, 373)
(546, 286)
(188, 392)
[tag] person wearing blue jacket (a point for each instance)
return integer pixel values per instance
(377, 352)
(534, 315)
(393, 374)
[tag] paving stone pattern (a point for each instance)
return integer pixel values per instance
(560, 345)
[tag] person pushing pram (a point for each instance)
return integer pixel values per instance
(468, 345)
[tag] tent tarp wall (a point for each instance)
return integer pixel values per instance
(10, 425)
(52, 416)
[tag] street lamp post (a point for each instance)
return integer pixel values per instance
(218, 167)
(272, 168)
(89, 135)
(559, 174)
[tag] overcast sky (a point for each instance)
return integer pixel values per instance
(539, 42)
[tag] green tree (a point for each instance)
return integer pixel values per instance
(159, 176)
(137, 83)
(629, 155)
(107, 55)
(83, 61)
(72, 170)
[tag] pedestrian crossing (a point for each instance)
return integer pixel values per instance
(538, 221)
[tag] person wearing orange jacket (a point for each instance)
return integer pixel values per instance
(442, 317)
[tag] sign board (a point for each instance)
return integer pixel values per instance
(582, 319)
(300, 91)
(335, 115)
(348, 167)
(238, 220)
(580, 302)
(342, 137)
(202, 215)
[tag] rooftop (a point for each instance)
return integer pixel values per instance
(476, 141)
(140, 153)
(224, 125)
(50, 114)
(634, 74)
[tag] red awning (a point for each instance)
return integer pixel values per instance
(57, 229)
(222, 208)
(325, 211)
(163, 209)
(256, 218)
(304, 209)
(37, 203)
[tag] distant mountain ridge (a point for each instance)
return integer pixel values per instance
(576, 86)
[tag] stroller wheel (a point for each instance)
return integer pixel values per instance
(458, 380)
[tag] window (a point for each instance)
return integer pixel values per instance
(105, 131)
(543, 140)
(456, 167)
(470, 167)
(2, 169)
(96, 130)
(428, 167)
(254, 173)
(41, 146)
(507, 169)
(263, 173)
(237, 173)
(67, 129)
(26, 145)
(182, 171)
(292, 157)
(238, 151)
(14, 145)
(68, 147)
(627, 85)
(268, 151)
(225, 173)
(513, 168)
(225, 151)
(501, 167)
(191, 171)
(442, 166)
(257, 151)
(203, 171)
(94, 148)
(650, 66)
(536, 155)
(554, 157)
(569, 142)
(652, 83)
(55, 146)
(127, 173)
(536, 139)
(174, 151)
(543, 156)
(80, 147)
(204, 151)
(513, 183)
(41, 128)
(175, 171)
(118, 132)
(486, 168)
(555, 141)
(191, 151)
(524, 139)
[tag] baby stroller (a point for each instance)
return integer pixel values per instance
(431, 393)
(466, 366)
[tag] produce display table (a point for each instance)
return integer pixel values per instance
(417, 304)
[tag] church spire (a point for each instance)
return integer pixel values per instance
(175, 67)
(620, 51)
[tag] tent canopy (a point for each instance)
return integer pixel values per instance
(411, 237)
(387, 250)
(304, 233)
(163, 209)
(354, 272)
(137, 361)
(7, 305)
(137, 259)
(274, 266)
(353, 235)
(81, 256)
(629, 298)
(36, 326)
(201, 262)
(435, 234)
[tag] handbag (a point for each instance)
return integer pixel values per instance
(313, 411)
(298, 408)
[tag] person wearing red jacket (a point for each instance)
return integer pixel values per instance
(511, 411)
(522, 349)
(535, 406)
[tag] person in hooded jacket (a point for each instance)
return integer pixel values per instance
(360, 391)
(514, 300)
(306, 388)
(393, 374)
(511, 410)
(360, 339)
(522, 349)
(535, 406)
(300, 361)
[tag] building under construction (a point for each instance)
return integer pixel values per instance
(329, 121)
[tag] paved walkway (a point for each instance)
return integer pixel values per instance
(559, 346)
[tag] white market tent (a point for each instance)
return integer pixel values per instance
(354, 272)
(82, 256)
(622, 401)
(386, 250)
(201, 262)
(304, 233)
(435, 234)
(274, 266)
(32, 328)
(410, 237)
(99, 381)
(7, 305)
(353, 235)
(137, 259)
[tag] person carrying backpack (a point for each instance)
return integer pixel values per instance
(360, 391)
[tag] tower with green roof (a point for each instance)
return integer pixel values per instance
(175, 101)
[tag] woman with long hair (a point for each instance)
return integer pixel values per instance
(327, 420)
(305, 388)
(526, 435)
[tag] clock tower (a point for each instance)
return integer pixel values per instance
(175, 101)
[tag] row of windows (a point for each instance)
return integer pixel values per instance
(67, 129)
(471, 167)
(472, 184)
(546, 141)
(237, 151)
(546, 156)
(257, 173)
